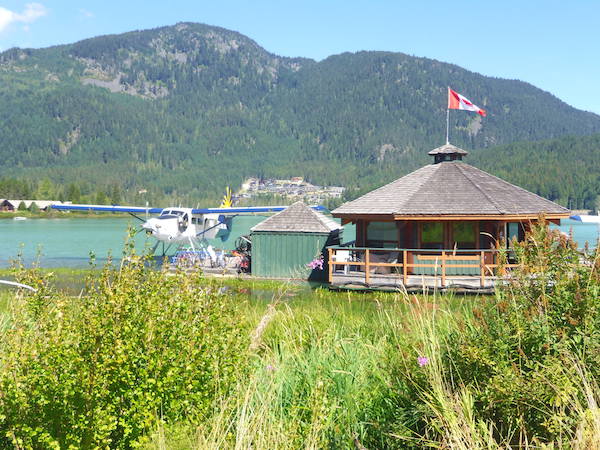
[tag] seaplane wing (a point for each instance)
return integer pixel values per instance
(246, 210)
(108, 208)
(141, 209)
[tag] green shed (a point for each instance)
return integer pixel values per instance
(286, 242)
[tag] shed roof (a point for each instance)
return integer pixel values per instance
(449, 188)
(298, 218)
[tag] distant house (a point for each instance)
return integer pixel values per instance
(7, 205)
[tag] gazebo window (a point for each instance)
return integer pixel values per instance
(382, 234)
(514, 230)
(432, 235)
(463, 235)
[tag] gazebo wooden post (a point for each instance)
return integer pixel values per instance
(367, 268)
(482, 269)
(404, 266)
(330, 261)
(443, 269)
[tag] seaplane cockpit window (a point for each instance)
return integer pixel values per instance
(169, 214)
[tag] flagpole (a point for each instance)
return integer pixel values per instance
(448, 118)
(447, 124)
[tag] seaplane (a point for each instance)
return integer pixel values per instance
(182, 226)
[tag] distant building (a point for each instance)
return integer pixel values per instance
(284, 244)
(7, 205)
(294, 188)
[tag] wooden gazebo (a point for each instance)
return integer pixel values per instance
(442, 223)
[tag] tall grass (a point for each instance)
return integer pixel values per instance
(311, 368)
(517, 370)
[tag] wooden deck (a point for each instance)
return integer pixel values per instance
(414, 283)
(415, 269)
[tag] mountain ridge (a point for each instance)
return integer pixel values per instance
(167, 105)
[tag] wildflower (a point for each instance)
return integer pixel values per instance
(316, 263)
(270, 368)
(422, 361)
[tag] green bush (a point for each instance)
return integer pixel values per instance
(100, 370)
(516, 353)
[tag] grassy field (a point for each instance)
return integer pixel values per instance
(134, 357)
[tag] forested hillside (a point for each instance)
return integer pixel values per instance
(183, 111)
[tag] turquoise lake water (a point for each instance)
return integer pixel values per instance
(68, 242)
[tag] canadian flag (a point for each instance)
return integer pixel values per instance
(457, 101)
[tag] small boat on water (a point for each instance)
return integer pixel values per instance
(20, 218)
(587, 218)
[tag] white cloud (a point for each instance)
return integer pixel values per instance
(31, 13)
(85, 13)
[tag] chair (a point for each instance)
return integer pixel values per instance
(342, 256)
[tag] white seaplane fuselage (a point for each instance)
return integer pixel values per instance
(179, 225)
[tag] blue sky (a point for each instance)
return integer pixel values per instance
(554, 45)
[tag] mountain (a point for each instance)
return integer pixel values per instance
(183, 111)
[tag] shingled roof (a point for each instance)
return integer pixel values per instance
(449, 188)
(448, 149)
(298, 218)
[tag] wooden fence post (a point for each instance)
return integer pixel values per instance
(330, 261)
(404, 267)
(367, 268)
(443, 269)
(482, 269)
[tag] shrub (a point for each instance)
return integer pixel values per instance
(100, 370)
(515, 351)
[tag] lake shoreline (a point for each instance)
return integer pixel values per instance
(62, 215)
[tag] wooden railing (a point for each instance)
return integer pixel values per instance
(364, 261)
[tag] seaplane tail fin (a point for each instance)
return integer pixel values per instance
(227, 201)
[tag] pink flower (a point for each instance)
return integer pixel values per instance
(422, 361)
(316, 263)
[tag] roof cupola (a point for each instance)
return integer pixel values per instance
(447, 152)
